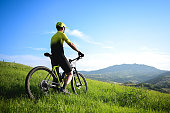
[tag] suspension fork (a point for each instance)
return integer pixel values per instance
(75, 71)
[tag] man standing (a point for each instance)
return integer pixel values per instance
(58, 57)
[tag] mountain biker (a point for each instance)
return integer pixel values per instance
(58, 57)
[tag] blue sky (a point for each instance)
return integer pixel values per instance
(108, 32)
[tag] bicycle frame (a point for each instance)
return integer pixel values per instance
(59, 82)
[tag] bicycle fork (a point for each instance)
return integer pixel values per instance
(77, 84)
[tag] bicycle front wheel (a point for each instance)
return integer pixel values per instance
(38, 82)
(79, 84)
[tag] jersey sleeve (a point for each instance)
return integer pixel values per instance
(65, 38)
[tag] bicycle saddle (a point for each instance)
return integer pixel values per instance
(47, 54)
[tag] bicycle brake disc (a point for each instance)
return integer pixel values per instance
(44, 85)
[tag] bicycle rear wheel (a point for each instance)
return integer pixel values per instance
(38, 82)
(79, 84)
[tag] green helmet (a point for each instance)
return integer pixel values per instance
(60, 24)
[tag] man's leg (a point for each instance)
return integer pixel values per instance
(67, 79)
(65, 65)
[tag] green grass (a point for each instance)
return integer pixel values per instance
(101, 97)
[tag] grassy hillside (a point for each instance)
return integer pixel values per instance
(102, 97)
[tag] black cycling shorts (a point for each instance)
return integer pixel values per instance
(62, 61)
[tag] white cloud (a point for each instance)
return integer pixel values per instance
(148, 49)
(38, 49)
(78, 34)
(108, 47)
(51, 32)
(75, 32)
(87, 38)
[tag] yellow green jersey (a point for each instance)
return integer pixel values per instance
(57, 43)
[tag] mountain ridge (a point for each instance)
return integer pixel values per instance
(135, 73)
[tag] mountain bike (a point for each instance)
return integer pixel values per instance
(41, 80)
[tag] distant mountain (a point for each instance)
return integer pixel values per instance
(135, 73)
(161, 80)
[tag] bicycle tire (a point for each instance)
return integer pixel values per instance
(32, 84)
(79, 89)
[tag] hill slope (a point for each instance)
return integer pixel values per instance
(101, 98)
(162, 79)
(124, 73)
(159, 83)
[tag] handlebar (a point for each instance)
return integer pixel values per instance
(78, 58)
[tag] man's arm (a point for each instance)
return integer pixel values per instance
(73, 47)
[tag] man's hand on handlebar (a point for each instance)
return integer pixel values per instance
(80, 54)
